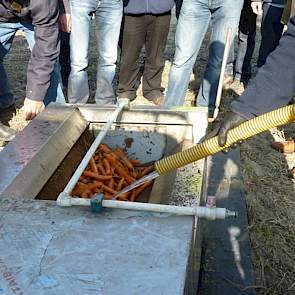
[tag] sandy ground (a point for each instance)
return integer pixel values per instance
(270, 193)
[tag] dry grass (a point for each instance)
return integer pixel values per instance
(270, 198)
(271, 202)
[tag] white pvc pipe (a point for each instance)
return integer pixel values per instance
(74, 179)
(221, 77)
(203, 212)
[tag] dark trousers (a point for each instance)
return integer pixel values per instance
(178, 4)
(246, 43)
(271, 31)
(64, 58)
(150, 31)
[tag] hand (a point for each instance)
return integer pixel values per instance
(256, 7)
(65, 23)
(230, 121)
(32, 108)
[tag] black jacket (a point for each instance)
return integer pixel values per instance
(274, 85)
(43, 14)
(281, 2)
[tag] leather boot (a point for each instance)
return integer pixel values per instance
(292, 173)
(6, 133)
(287, 147)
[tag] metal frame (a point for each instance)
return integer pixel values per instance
(31, 158)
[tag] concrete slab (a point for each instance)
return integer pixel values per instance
(45, 249)
(226, 264)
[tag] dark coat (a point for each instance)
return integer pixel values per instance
(43, 14)
(281, 2)
(274, 85)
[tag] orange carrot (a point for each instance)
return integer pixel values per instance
(139, 190)
(96, 157)
(85, 195)
(121, 171)
(83, 190)
(147, 170)
(78, 189)
(109, 171)
(123, 197)
(96, 190)
(111, 183)
(107, 166)
(104, 148)
(101, 168)
(120, 184)
(83, 179)
(134, 174)
(135, 162)
(94, 186)
(108, 190)
(120, 153)
(96, 176)
(108, 196)
(133, 196)
(112, 159)
(93, 166)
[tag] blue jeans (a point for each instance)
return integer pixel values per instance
(195, 16)
(108, 15)
(7, 33)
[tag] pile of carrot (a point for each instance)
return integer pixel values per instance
(108, 172)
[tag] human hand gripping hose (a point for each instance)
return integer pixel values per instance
(211, 146)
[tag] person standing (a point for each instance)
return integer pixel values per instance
(271, 26)
(108, 16)
(194, 19)
(38, 19)
(272, 88)
(146, 23)
(240, 68)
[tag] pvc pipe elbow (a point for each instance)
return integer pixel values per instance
(64, 200)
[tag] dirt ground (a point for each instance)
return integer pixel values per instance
(270, 193)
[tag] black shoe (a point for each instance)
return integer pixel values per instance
(6, 133)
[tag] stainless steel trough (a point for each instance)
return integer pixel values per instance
(155, 253)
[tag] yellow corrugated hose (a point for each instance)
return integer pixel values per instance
(242, 132)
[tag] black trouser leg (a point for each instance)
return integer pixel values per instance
(178, 4)
(246, 43)
(271, 31)
(157, 33)
(64, 58)
(133, 38)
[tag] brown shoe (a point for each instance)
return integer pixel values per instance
(291, 173)
(287, 147)
(159, 100)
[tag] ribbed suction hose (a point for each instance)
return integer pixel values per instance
(243, 131)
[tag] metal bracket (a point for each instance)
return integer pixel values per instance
(96, 203)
